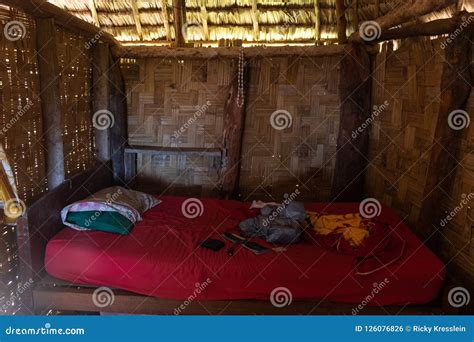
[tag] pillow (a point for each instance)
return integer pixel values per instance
(106, 221)
(128, 203)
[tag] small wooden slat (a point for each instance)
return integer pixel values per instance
(48, 66)
(204, 17)
(317, 21)
(165, 19)
(254, 13)
(136, 18)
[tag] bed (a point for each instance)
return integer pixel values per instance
(160, 265)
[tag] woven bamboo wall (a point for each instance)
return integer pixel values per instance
(402, 135)
(75, 66)
(401, 138)
(20, 112)
(164, 95)
(275, 162)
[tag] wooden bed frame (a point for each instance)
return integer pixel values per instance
(42, 221)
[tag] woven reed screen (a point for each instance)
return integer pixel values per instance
(75, 67)
(20, 110)
(20, 133)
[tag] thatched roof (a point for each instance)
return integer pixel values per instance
(210, 21)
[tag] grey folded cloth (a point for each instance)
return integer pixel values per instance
(276, 224)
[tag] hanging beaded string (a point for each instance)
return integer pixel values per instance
(240, 79)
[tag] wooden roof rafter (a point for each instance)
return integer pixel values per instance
(165, 18)
(136, 18)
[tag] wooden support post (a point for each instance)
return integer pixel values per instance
(166, 19)
(178, 11)
(100, 100)
(351, 155)
(234, 122)
(48, 66)
(119, 131)
(341, 21)
(456, 86)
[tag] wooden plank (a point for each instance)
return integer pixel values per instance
(80, 299)
(43, 9)
(228, 52)
(351, 155)
(341, 21)
(456, 85)
(100, 100)
(178, 13)
(48, 66)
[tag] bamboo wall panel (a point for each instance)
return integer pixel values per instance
(75, 66)
(275, 162)
(402, 135)
(20, 110)
(165, 95)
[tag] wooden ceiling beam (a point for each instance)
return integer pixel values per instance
(225, 52)
(341, 21)
(165, 18)
(136, 18)
(178, 13)
(409, 10)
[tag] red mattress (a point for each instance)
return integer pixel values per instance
(161, 257)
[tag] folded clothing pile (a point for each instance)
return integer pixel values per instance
(276, 224)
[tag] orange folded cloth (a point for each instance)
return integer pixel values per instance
(351, 226)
